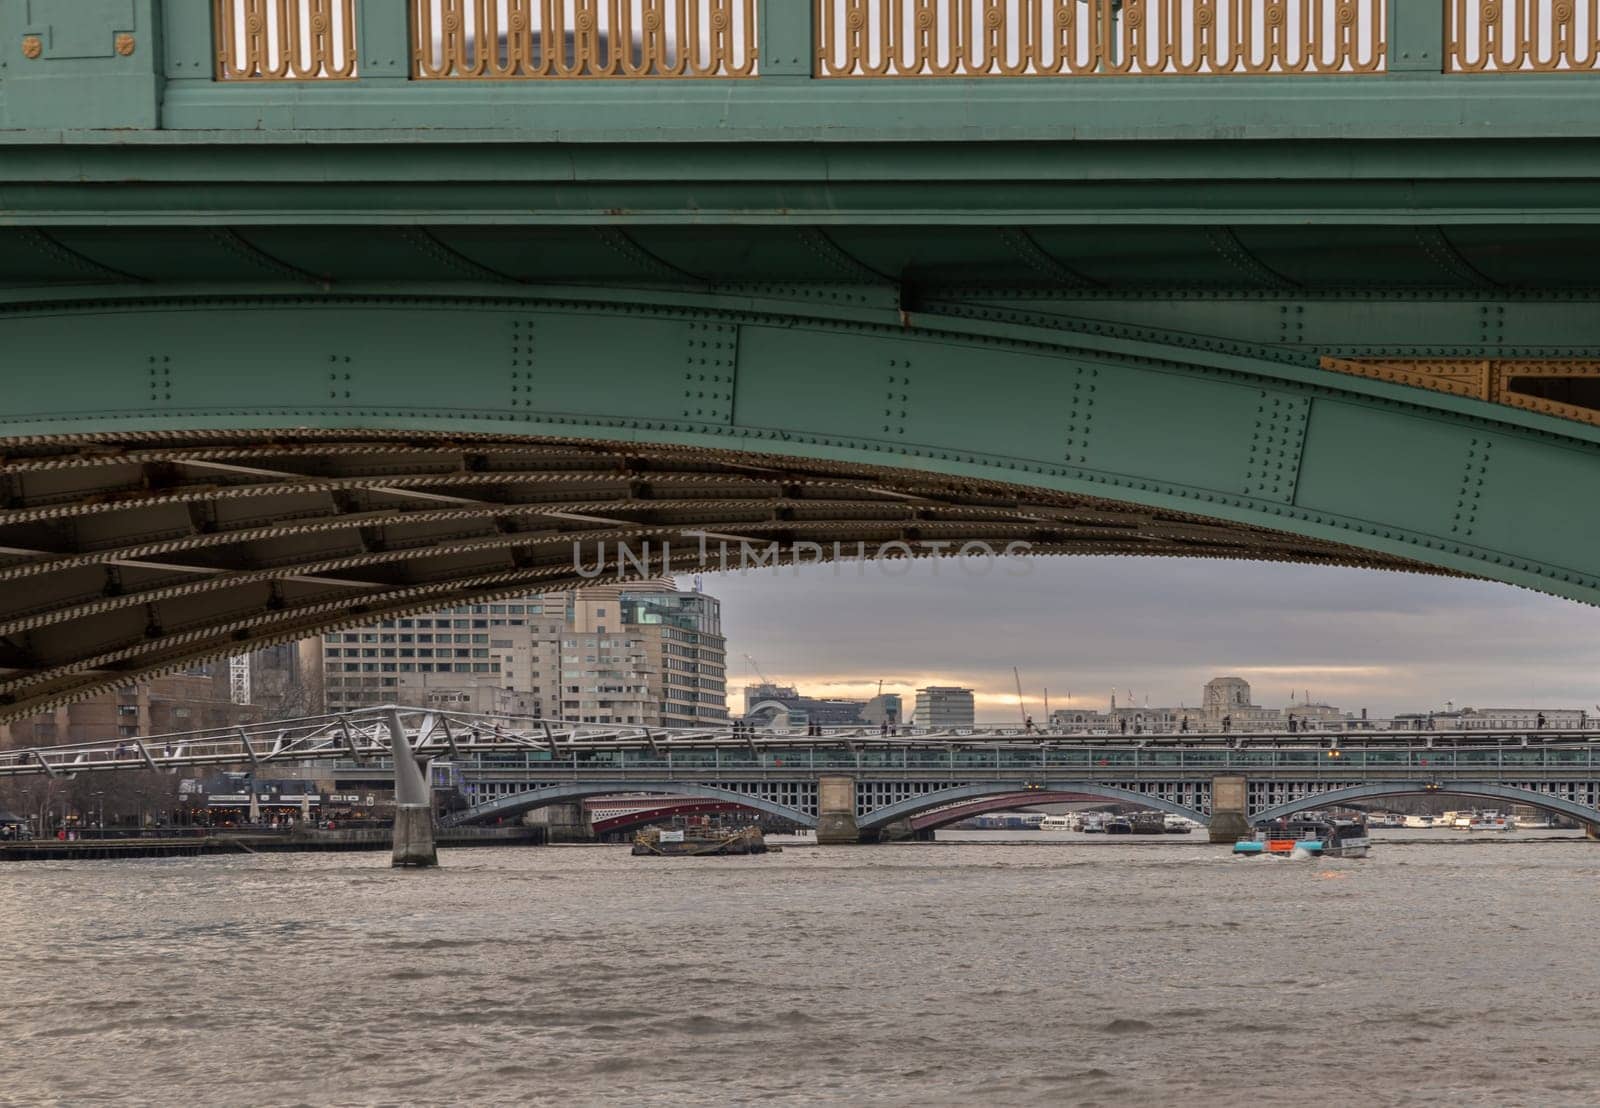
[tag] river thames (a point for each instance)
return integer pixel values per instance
(980, 973)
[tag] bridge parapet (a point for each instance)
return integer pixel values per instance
(382, 64)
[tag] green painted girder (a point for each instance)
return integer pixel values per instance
(236, 180)
(1453, 483)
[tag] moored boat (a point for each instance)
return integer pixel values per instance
(669, 842)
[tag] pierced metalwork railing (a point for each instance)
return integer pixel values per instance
(1029, 38)
(1512, 36)
(285, 40)
(508, 40)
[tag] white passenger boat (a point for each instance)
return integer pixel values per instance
(1307, 838)
(1056, 823)
(1418, 821)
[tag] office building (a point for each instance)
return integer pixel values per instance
(945, 706)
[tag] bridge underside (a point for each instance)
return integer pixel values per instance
(122, 556)
(312, 384)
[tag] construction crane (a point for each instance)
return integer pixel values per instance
(765, 680)
(1022, 705)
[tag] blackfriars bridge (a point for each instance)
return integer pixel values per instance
(854, 786)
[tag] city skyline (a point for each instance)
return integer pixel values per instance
(1354, 638)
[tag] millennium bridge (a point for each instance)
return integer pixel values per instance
(858, 786)
(315, 312)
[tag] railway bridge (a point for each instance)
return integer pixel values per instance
(856, 787)
(319, 311)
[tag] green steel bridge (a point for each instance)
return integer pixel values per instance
(318, 311)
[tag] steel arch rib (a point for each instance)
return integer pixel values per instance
(882, 817)
(558, 794)
(1482, 789)
(935, 819)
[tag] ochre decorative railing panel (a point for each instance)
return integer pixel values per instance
(285, 40)
(501, 40)
(1028, 38)
(1511, 36)
(1565, 388)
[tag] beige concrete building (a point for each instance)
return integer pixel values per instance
(635, 653)
(497, 659)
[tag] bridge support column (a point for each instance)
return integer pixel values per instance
(563, 823)
(1230, 817)
(1591, 831)
(901, 830)
(413, 804)
(836, 811)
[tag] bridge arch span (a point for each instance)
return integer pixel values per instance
(1006, 802)
(1483, 790)
(518, 803)
(906, 809)
(152, 523)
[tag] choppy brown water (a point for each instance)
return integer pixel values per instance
(944, 974)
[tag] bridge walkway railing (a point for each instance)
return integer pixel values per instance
(515, 40)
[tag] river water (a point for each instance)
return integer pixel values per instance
(960, 972)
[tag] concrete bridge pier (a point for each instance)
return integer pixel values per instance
(563, 823)
(1230, 816)
(413, 806)
(902, 830)
(836, 811)
(1591, 831)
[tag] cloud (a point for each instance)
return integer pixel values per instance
(1160, 627)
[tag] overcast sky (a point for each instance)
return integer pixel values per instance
(1162, 628)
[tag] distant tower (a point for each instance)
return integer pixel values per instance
(239, 679)
(1223, 694)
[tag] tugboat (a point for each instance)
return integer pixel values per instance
(662, 842)
(1316, 838)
